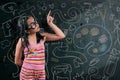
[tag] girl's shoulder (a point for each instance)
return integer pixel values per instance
(22, 41)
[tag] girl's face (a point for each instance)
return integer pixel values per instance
(33, 26)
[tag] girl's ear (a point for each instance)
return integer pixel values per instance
(25, 31)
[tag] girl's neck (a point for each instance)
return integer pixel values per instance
(32, 39)
(32, 35)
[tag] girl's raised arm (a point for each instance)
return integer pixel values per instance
(58, 32)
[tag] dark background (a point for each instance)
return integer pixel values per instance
(91, 49)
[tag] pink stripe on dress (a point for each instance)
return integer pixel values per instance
(33, 66)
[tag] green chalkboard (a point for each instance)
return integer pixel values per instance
(91, 49)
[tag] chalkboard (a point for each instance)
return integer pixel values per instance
(91, 49)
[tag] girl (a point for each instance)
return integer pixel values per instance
(33, 65)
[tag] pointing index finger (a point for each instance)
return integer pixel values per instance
(49, 13)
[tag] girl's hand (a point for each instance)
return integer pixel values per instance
(49, 18)
(19, 62)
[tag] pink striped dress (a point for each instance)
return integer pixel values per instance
(33, 67)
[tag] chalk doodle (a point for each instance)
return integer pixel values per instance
(95, 39)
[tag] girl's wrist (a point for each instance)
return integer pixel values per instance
(50, 24)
